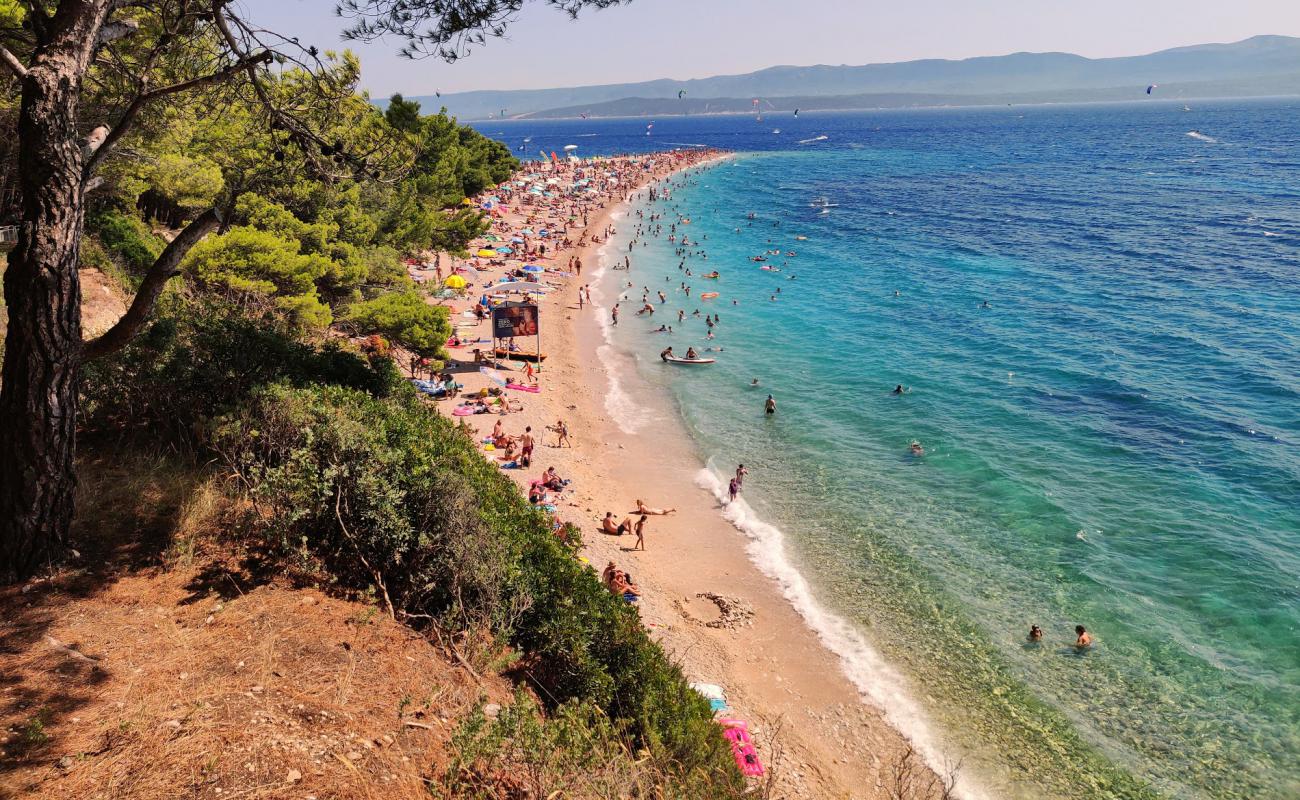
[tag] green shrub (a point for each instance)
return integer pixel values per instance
(406, 318)
(393, 497)
(128, 239)
(575, 751)
(198, 359)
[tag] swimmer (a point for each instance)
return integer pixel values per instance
(770, 406)
(899, 389)
(917, 449)
(754, 382)
(1035, 633)
(1085, 639)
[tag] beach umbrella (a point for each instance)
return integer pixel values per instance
(534, 269)
(517, 286)
(505, 250)
(454, 282)
(527, 232)
(516, 240)
(485, 253)
(493, 375)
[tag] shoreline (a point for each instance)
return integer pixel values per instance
(823, 732)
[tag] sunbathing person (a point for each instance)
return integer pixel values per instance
(608, 525)
(642, 508)
(552, 480)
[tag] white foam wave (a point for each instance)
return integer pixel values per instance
(875, 679)
(629, 415)
(1202, 137)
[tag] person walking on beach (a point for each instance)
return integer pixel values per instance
(613, 314)
(529, 374)
(770, 406)
(639, 530)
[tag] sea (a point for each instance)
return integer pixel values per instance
(1094, 311)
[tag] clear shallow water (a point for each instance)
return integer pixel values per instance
(1115, 441)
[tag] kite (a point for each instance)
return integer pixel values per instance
(1152, 87)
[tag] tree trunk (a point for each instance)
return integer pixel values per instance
(38, 397)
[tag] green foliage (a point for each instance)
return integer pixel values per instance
(406, 318)
(403, 114)
(391, 496)
(127, 238)
(201, 359)
(251, 261)
(576, 751)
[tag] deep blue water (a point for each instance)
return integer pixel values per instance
(1114, 440)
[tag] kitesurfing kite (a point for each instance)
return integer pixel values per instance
(648, 127)
(1152, 87)
(796, 113)
(681, 93)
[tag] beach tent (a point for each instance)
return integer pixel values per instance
(454, 282)
(485, 253)
(505, 250)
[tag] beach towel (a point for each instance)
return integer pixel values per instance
(519, 387)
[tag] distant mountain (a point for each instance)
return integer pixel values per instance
(1256, 66)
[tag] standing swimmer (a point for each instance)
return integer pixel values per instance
(770, 406)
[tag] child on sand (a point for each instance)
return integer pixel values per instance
(639, 529)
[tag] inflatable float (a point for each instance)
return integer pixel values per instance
(708, 295)
(523, 388)
(742, 747)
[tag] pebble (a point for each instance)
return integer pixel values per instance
(491, 710)
(294, 776)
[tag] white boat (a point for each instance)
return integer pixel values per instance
(679, 360)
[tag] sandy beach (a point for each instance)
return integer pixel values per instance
(702, 596)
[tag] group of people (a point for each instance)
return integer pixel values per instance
(1082, 640)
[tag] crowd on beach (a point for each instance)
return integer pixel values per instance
(544, 225)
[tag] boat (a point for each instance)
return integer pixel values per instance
(680, 360)
(519, 355)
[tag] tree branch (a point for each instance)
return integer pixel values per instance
(144, 98)
(12, 63)
(164, 269)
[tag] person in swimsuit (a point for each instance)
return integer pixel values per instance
(608, 526)
(1084, 640)
(526, 447)
(770, 405)
(639, 529)
(643, 509)
(1035, 634)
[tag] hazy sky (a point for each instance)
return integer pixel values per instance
(697, 38)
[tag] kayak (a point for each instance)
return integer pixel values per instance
(677, 360)
(519, 355)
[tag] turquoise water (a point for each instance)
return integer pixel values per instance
(1114, 440)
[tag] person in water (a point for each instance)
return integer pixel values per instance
(770, 405)
(917, 449)
(1035, 633)
(899, 389)
(1084, 639)
(666, 353)
(754, 382)
(690, 353)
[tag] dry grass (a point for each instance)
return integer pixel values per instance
(166, 667)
